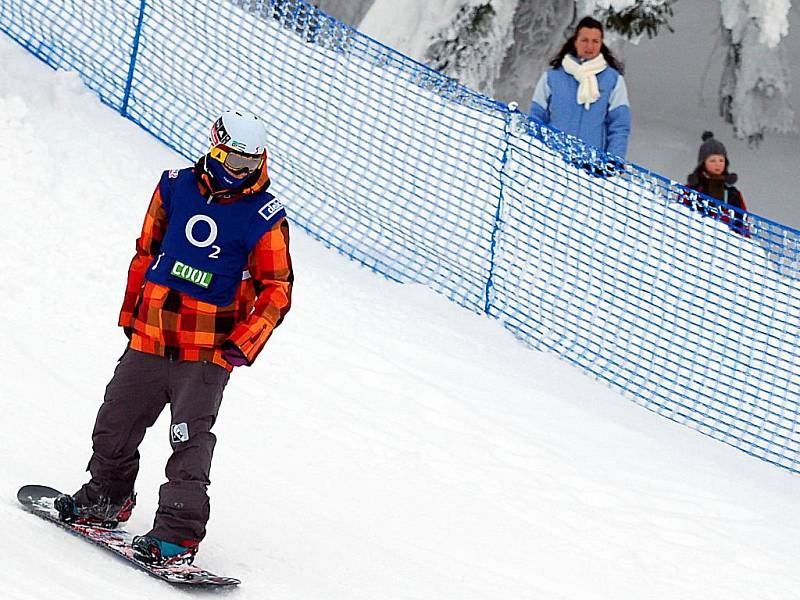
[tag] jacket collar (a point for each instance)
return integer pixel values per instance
(699, 176)
(255, 184)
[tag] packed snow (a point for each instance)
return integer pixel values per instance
(386, 444)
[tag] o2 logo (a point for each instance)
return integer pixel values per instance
(210, 239)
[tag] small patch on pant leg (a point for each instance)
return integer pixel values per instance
(180, 432)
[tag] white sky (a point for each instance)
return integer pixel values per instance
(386, 444)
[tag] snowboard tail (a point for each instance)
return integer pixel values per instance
(39, 500)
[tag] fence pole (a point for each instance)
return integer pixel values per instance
(509, 115)
(134, 52)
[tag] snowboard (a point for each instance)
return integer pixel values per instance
(39, 500)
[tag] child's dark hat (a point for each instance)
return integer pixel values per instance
(710, 146)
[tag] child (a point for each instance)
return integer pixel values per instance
(712, 178)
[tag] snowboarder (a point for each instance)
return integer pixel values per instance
(584, 93)
(210, 281)
(712, 178)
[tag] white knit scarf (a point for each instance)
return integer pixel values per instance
(586, 76)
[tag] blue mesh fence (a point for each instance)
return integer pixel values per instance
(689, 307)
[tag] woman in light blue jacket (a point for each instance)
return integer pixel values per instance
(584, 93)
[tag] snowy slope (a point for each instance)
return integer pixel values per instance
(386, 445)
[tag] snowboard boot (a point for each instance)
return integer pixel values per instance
(104, 512)
(153, 551)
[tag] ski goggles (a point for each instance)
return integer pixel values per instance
(236, 162)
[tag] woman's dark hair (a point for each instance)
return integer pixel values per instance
(700, 169)
(569, 46)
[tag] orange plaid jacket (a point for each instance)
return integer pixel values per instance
(168, 323)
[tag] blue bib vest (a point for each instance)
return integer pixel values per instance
(206, 246)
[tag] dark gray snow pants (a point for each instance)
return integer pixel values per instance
(143, 384)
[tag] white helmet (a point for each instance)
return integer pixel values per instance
(240, 131)
(238, 155)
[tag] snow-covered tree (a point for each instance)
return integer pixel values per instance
(631, 19)
(465, 39)
(755, 86)
(472, 45)
(540, 29)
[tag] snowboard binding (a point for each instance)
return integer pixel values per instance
(104, 513)
(153, 551)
